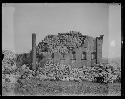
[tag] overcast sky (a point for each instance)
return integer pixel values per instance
(19, 21)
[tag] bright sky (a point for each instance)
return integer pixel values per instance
(114, 31)
(19, 21)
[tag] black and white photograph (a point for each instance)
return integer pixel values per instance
(61, 49)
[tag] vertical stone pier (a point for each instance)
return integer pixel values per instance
(33, 51)
(99, 41)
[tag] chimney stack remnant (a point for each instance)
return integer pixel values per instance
(33, 51)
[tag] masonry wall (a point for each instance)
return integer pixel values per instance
(90, 45)
(99, 49)
(34, 51)
(90, 49)
(87, 47)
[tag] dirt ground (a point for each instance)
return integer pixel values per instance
(67, 88)
(114, 89)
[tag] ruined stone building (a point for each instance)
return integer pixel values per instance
(71, 48)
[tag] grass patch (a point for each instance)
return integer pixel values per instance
(33, 87)
(60, 88)
(114, 89)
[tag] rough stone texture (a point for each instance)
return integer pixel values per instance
(89, 46)
(99, 49)
(34, 51)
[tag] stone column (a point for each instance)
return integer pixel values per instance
(34, 51)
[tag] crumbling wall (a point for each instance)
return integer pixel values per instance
(99, 41)
(88, 45)
(33, 51)
(90, 49)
